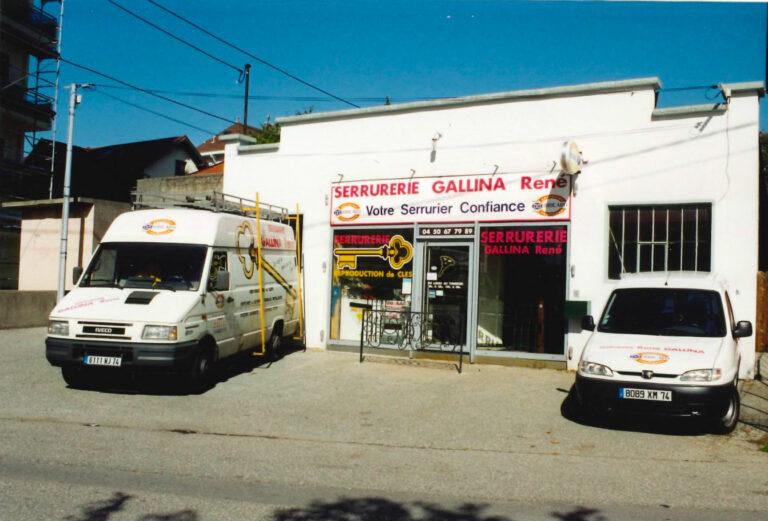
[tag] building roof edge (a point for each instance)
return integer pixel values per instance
(549, 92)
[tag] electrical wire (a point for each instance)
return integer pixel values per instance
(160, 114)
(312, 99)
(260, 60)
(177, 38)
(146, 91)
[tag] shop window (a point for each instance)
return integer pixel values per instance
(521, 289)
(369, 267)
(659, 238)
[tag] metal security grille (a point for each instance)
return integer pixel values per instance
(659, 238)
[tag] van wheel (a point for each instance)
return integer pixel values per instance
(727, 423)
(200, 372)
(275, 344)
(75, 377)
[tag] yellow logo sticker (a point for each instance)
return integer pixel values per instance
(347, 212)
(549, 205)
(650, 358)
(160, 226)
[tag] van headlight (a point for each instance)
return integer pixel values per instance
(159, 333)
(592, 368)
(58, 327)
(701, 375)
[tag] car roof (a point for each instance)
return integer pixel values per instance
(673, 279)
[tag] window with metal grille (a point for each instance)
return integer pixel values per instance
(659, 238)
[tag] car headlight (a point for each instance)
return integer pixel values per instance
(159, 333)
(701, 375)
(586, 367)
(58, 327)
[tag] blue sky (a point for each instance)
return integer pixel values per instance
(403, 49)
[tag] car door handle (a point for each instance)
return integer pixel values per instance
(230, 299)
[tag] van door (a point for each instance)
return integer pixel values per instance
(220, 308)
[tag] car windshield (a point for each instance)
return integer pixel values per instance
(148, 266)
(664, 311)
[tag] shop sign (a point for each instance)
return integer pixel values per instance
(479, 198)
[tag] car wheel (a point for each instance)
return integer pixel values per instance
(275, 344)
(74, 376)
(200, 372)
(727, 423)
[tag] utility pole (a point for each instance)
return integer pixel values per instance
(247, 73)
(74, 100)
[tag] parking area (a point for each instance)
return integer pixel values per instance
(491, 432)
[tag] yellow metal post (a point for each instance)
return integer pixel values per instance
(298, 267)
(261, 274)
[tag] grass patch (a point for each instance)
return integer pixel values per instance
(765, 449)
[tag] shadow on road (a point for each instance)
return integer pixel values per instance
(344, 509)
(380, 509)
(103, 510)
(107, 381)
(572, 410)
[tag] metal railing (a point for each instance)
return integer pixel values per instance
(412, 331)
(31, 17)
(215, 201)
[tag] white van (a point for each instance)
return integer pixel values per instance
(666, 344)
(175, 290)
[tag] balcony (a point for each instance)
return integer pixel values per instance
(33, 110)
(29, 26)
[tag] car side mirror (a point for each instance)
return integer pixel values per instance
(743, 329)
(77, 272)
(222, 281)
(588, 323)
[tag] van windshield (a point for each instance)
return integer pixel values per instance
(664, 311)
(148, 266)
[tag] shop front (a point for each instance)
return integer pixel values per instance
(462, 227)
(472, 264)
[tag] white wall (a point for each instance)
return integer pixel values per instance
(40, 241)
(633, 159)
(166, 166)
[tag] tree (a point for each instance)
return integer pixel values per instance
(269, 132)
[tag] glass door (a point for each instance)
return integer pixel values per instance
(445, 293)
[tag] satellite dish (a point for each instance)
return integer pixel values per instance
(571, 158)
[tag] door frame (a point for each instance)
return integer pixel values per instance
(419, 282)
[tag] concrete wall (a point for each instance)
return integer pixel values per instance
(25, 308)
(634, 158)
(181, 185)
(41, 236)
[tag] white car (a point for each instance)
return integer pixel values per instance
(666, 344)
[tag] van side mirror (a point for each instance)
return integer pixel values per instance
(588, 323)
(77, 272)
(222, 281)
(743, 329)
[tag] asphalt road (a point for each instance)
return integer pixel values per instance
(318, 436)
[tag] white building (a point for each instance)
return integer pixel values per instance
(483, 231)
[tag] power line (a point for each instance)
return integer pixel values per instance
(121, 100)
(178, 39)
(270, 97)
(146, 91)
(260, 60)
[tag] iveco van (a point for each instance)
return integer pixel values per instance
(175, 290)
